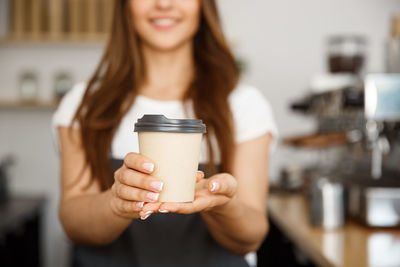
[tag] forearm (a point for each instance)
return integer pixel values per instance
(236, 226)
(89, 219)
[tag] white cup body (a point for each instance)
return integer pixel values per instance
(176, 158)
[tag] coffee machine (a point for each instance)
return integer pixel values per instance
(357, 136)
(374, 197)
(363, 119)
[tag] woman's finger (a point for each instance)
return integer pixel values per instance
(223, 183)
(198, 204)
(148, 209)
(139, 162)
(152, 206)
(140, 180)
(176, 207)
(134, 194)
(127, 207)
(199, 176)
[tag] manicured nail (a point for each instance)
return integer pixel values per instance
(148, 166)
(146, 215)
(140, 204)
(157, 185)
(215, 187)
(153, 196)
(163, 211)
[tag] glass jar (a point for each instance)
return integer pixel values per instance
(28, 88)
(346, 54)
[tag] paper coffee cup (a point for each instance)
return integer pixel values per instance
(174, 146)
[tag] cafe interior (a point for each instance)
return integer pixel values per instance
(330, 71)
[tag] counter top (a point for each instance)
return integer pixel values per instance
(353, 245)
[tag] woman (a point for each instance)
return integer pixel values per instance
(168, 57)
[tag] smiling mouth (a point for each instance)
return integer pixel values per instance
(164, 23)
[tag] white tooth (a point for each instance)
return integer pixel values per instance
(164, 22)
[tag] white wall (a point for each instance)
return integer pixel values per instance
(27, 133)
(282, 41)
(46, 60)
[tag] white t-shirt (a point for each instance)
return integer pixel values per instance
(251, 112)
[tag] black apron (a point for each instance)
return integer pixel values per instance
(161, 240)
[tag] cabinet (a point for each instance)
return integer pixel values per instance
(57, 20)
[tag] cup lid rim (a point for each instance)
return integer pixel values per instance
(160, 123)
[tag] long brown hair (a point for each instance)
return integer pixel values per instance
(113, 87)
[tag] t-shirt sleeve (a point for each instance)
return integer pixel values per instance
(68, 106)
(66, 110)
(252, 114)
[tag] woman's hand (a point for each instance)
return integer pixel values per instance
(210, 193)
(133, 186)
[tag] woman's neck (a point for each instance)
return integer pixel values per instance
(168, 73)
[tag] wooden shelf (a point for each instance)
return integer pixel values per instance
(58, 21)
(37, 105)
(98, 39)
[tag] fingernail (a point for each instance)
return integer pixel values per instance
(140, 204)
(163, 211)
(145, 217)
(148, 166)
(157, 185)
(215, 187)
(153, 196)
(148, 212)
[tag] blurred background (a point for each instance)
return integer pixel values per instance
(312, 59)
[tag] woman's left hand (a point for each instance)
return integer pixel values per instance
(212, 192)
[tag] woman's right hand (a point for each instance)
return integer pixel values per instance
(134, 186)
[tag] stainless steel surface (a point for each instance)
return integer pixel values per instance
(374, 203)
(379, 146)
(382, 97)
(376, 207)
(327, 204)
(382, 104)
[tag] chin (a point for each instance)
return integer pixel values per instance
(166, 44)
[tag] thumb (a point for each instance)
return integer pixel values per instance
(223, 183)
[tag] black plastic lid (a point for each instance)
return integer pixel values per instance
(160, 123)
